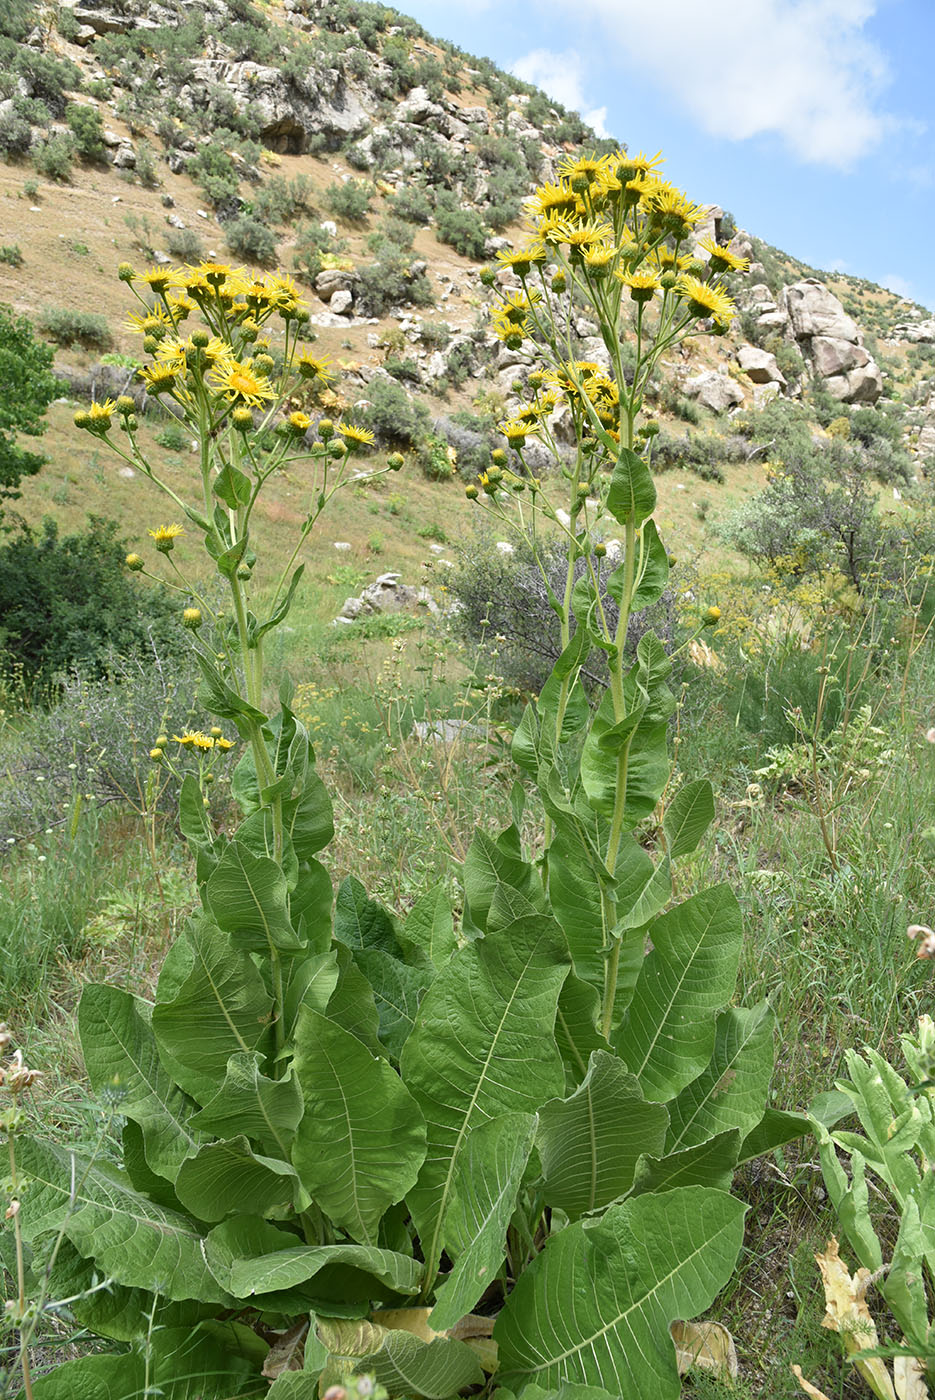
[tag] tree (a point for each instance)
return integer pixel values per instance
(27, 387)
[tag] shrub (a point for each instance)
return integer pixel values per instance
(350, 201)
(462, 228)
(55, 156)
(145, 167)
(172, 437)
(390, 281)
(69, 602)
(11, 254)
(213, 170)
(311, 244)
(392, 415)
(411, 202)
(280, 200)
(87, 129)
(68, 326)
(27, 387)
(185, 245)
(248, 238)
(434, 459)
(15, 133)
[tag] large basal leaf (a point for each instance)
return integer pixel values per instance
(121, 1057)
(485, 1189)
(310, 906)
(595, 1307)
(352, 1004)
(308, 817)
(667, 1036)
(429, 934)
(211, 1003)
(117, 1312)
(483, 1045)
(589, 1143)
(248, 1103)
(361, 1142)
(251, 1257)
(248, 899)
(576, 1033)
(731, 1091)
(93, 1378)
(397, 991)
(711, 1163)
(634, 753)
(227, 1177)
(135, 1241)
(402, 1362)
(307, 982)
(360, 922)
(575, 898)
(490, 864)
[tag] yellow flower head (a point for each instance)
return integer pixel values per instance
(155, 322)
(214, 273)
(722, 259)
(589, 235)
(158, 377)
(671, 210)
(512, 333)
(299, 423)
(312, 368)
(515, 431)
(239, 382)
(523, 259)
(599, 259)
(643, 285)
(224, 744)
(354, 437)
(165, 537)
(705, 299)
(185, 354)
(160, 279)
(180, 306)
(554, 199)
(626, 167)
(100, 415)
(516, 305)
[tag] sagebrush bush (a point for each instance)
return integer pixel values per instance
(87, 129)
(462, 228)
(67, 326)
(350, 201)
(55, 156)
(249, 239)
(392, 416)
(185, 245)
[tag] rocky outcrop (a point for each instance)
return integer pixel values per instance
(832, 341)
(916, 332)
(714, 390)
(318, 103)
(386, 595)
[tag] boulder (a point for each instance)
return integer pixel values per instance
(863, 384)
(759, 365)
(832, 357)
(318, 102)
(918, 333)
(341, 303)
(714, 390)
(813, 310)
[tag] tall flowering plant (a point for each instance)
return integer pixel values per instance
(489, 1154)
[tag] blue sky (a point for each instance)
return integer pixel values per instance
(812, 121)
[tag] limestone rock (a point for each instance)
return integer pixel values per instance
(813, 310)
(864, 384)
(714, 390)
(341, 302)
(759, 365)
(918, 333)
(831, 356)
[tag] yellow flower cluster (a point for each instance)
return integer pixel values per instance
(202, 743)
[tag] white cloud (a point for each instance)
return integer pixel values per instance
(561, 76)
(800, 69)
(900, 285)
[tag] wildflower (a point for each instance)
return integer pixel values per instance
(600, 549)
(159, 279)
(355, 438)
(125, 272)
(523, 259)
(125, 406)
(671, 210)
(158, 378)
(643, 285)
(722, 259)
(223, 744)
(310, 367)
(598, 260)
(471, 492)
(165, 537)
(516, 306)
(242, 419)
(325, 429)
(712, 616)
(161, 741)
(299, 423)
(156, 754)
(155, 322)
(100, 415)
(134, 563)
(193, 739)
(191, 618)
(214, 273)
(705, 299)
(554, 199)
(395, 461)
(239, 380)
(515, 431)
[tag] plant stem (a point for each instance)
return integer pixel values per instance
(20, 1268)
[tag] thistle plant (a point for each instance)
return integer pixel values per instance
(487, 1153)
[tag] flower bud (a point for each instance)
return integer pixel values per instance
(471, 492)
(244, 571)
(325, 429)
(498, 457)
(487, 276)
(162, 741)
(191, 618)
(134, 563)
(600, 549)
(200, 338)
(156, 754)
(264, 363)
(215, 731)
(712, 616)
(338, 448)
(150, 344)
(125, 406)
(82, 418)
(125, 272)
(396, 461)
(242, 419)
(559, 281)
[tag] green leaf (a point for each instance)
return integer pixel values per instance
(731, 1091)
(402, 1362)
(211, 1003)
(193, 818)
(93, 1378)
(667, 1036)
(397, 991)
(253, 1258)
(632, 495)
(310, 906)
(490, 864)
(282, 610)
(486, 1185)
(360, 922)
(654, 570)
(135, 1241)
(352, 1005)
(428, 932)
(632, 751)
(596, 1306)
(309, 817)
(688, 817)
(248, 899)
(117, 1312)
(904, 1286)
(589, 1143)
(712, 1163)
(307, 982)
(120, 1055)
(774, 1129)
(227, 1177)
(249, 1104)
(483, 1046)
(575, 897)
(361, 1141)
(232, 486)
(576, 1032)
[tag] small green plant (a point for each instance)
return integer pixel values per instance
(184, 244)
(88, 130)
(248, 238)
(67, 326)
(350, 201)
(11, 254)
(55, 156)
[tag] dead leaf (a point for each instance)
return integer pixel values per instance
(909, 1378)
(287, 1352)
(707, 1345)
(847, 1313)
(474, 1325)
(809, 1389)
(414, 1320)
